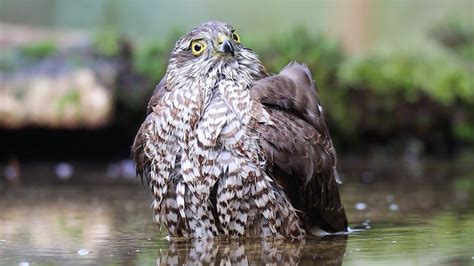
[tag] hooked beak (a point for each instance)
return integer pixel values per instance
(224, 45)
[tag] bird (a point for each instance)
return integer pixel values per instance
(228, 149)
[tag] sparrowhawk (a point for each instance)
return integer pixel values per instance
(228, 149)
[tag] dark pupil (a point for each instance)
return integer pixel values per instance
(235, 37)
(197, 47)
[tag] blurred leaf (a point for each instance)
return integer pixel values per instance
(410, 73)
(107, 42)
(39, 50)
(151, 58)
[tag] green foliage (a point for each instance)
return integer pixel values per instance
(457, 36)
(464, 128)
(151, 59)
(38, 50)
(107, 43)
(12, 59)
(467, 52)
(410, 74)
(71, 98)
(428, 79)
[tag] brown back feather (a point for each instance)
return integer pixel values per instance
(299, 146)
(142, 162)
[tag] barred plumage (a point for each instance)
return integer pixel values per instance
(226, 147)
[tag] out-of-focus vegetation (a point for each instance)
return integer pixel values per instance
(107, 43)
(15, 59)
(41, 85)
(426, 91)
(39, 50)
(457, 37)
(422, 92)
(410, 92)
(151, 58)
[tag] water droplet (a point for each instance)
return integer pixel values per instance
(366, 224)
(361, 206)
(394, 241)
(357, 249)
(137, 250)
(24, 263)
(431, 245)
(128, 168)
(64, 171)
(12, 172)
(149, 239)
(393, 207)
(83, 252)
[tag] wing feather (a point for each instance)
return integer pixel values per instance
(142, 162)
(299, 147)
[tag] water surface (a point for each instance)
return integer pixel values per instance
(402, 213)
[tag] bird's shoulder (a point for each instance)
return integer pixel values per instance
(298, 145)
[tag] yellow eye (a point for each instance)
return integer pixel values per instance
(236, 37)
(197, 47)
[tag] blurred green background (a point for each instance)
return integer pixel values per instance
(394, 75)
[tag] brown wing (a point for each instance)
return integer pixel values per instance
(299, 147)
(142, 162)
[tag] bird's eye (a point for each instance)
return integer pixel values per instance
(197, 47)
(236, 37)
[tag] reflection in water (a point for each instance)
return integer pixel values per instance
(328, 250)
(432, 223)
(61, 226)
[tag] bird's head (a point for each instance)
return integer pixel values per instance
(213, 48)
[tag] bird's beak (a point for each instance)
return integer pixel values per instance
(224, 45)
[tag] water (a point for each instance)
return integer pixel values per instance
(89, 223)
